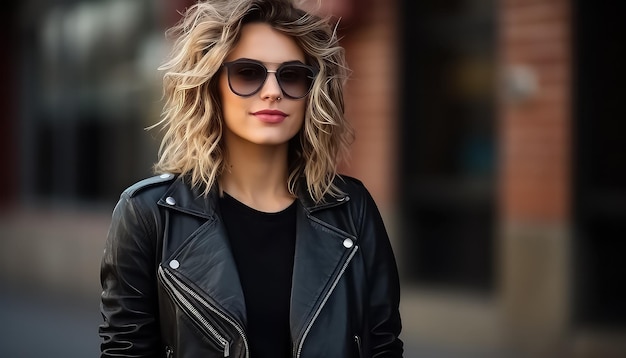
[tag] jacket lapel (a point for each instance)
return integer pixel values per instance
(319, 258)
(205, 259)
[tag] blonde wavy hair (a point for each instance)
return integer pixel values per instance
(192, 119)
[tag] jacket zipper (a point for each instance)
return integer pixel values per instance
(194, 312)
(319, 309)
(357, 341)
(172, 282)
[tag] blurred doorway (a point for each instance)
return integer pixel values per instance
(447, 126)
(600, 164)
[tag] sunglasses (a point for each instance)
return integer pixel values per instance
(246, 77)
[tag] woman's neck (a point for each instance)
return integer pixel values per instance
(257, 176)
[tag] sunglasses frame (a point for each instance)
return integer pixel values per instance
(314, 71)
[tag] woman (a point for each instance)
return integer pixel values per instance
(249, 244)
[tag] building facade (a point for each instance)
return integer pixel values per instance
(489, 133)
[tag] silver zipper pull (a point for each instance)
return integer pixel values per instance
(226, 349)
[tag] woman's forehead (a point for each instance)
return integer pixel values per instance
(261, 42)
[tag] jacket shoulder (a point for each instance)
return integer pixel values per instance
(154, 181)
(349, 184)
(353, 189)
(349, 180)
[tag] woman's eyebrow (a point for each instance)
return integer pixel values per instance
(270, 63)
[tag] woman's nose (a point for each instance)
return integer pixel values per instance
(271, 88)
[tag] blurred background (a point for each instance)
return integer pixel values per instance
(491, 134)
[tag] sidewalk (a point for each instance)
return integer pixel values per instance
(54, 249)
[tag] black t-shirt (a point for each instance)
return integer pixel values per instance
(263, 245)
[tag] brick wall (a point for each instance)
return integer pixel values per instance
(535, 131)
(371, 98)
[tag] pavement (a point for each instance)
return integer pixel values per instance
(36, 325)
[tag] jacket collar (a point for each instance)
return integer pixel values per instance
(183, 197)
(328, 201)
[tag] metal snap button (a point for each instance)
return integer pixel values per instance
(170, 200)
(348, 243)
(174, 264)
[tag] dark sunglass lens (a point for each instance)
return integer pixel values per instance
(295, 80)
(246, 78)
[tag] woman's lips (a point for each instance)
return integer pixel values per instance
(270, 116)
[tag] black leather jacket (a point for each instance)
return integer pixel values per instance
(171, 288)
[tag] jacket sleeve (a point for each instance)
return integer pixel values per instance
(129, 291)
(383, 282)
